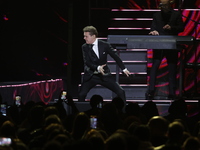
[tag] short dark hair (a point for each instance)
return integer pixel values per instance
(95, 100)
(91, 29)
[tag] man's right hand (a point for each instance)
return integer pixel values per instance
(101, 70)
(154, 32)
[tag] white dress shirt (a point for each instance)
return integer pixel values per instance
(95, 48)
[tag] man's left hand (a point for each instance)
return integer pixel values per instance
(126, 72)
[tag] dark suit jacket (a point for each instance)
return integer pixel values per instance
(91, 61)
(175, 21)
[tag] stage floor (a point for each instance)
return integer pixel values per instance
(48, 91)
(162, 105)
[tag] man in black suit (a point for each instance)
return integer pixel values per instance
(96, 70)
(165, 22)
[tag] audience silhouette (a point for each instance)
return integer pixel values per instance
(96, 103)
(36, 126)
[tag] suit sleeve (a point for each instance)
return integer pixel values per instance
(153, 25)
(178, 26)
(114, 55)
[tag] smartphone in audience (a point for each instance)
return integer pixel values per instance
(3, 109)
(64, 95)
(5, 141)
(18, 100)
(93, 122)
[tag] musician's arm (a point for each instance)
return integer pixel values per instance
(179, 26)
(153, 30)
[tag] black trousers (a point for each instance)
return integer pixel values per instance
(106, 81)
(172, 59)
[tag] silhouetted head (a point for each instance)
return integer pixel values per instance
(95, 100)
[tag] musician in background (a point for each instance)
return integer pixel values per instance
(165, 22)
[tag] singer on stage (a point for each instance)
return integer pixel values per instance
(165, 22)
(96, 70)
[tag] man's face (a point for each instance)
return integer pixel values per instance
(165, 5)
(88, 38)
(165, 2)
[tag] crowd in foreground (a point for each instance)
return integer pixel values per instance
(36, 126)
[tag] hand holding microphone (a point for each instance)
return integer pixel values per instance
(160, 5)
(101, 70)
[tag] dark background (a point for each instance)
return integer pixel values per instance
(42, 39)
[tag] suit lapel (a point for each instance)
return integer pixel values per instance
(92, 54)
(100, 47)
(173, 15)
